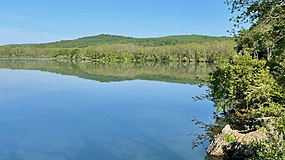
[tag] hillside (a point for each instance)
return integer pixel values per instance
(115, 39)
(104, 47)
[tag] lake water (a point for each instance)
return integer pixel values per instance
(63, 110)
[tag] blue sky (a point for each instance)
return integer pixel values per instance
(33, 21)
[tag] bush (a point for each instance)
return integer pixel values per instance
(244, 89)
(274, 146)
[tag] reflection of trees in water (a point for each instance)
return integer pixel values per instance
(210, 129)
(190, 73)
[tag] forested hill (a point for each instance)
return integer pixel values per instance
(115, 39)
(115, 48)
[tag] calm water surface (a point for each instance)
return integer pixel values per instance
(52, 116)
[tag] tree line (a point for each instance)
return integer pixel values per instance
(199, 52)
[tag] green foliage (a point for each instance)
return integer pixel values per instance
(229, 138)
(273, 149)
(16, 51)
(266, 36)
(107, 48)
(185, 52)
(244, 89)
(274, 146)
(87, 41)
(251, 86)
(145, 42)
(210, 130)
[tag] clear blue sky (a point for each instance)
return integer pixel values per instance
(30, 21)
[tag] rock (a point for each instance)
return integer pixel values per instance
(233, 143)
(218, 144)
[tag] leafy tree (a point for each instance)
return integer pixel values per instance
(245, 90)
(266, 36)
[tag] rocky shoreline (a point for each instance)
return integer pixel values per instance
(235, 144)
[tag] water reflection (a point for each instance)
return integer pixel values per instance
(191, 73)
(50, 116)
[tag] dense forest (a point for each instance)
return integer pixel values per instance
(147, 42)
(249, 91)
(119, 48)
